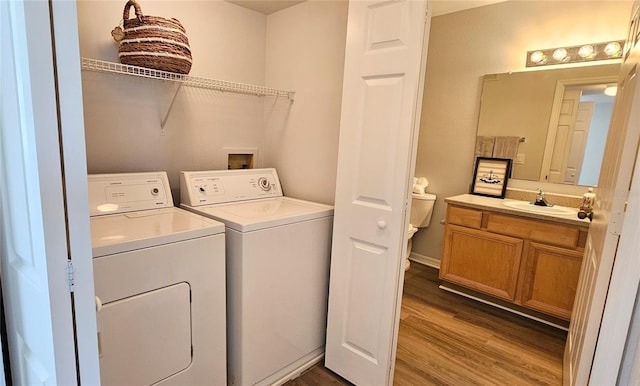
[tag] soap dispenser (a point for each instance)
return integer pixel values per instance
(586, 207)
(588, 200)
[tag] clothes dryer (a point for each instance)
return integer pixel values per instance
(159, 275)
(278, 254)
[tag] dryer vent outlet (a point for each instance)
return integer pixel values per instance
(240, 161)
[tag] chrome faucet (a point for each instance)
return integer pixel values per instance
(541, 200)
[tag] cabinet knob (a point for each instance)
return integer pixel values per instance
(382, 224)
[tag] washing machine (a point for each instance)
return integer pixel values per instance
(159, 274)
(278, 254)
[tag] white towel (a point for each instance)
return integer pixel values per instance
(420, 185)
(506, 147)
(484, 146)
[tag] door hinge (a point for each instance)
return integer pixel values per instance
(70, 275)
(615, 225)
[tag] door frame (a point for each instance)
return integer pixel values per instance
(49, 54)
(72, 142)
(558, 95)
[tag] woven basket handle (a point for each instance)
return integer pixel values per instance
(136, 6)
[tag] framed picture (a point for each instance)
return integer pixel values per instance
(490, 176)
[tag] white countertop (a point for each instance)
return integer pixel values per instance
(497, 205)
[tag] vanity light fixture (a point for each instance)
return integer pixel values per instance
(575, 54)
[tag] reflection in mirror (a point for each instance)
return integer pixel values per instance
(549, 122)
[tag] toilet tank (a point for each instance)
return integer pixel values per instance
(421, 209)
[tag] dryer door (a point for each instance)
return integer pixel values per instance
(145, 338)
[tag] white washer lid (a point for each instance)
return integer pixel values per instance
(265, 213)
(135, 230)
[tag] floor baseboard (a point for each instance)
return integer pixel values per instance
(425, 260)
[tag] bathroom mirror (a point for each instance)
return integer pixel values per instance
(560, 116)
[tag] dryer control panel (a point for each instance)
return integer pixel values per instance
(222, 186)
(127, 192)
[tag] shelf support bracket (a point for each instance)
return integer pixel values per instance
(163, 122)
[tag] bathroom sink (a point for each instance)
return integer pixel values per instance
(529, 207)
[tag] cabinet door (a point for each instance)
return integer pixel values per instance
(550, 279)
(482, 261)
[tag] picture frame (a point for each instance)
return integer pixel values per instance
(490, 176)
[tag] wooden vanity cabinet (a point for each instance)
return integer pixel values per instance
(529, 262)
(482, 261)
(549, 278)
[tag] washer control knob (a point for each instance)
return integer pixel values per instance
(201, 189)
(264, 184)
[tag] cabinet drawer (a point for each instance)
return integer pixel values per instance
(471, 218)
(549, 233)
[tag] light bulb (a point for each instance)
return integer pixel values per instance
(586, 52)
(611, 90)
(612, 49)
(538, 57)
(561, 55)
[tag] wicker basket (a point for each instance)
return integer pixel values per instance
(154, 42)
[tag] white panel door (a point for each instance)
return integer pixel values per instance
(578, 142)
(566, 123)
(380, 114)
(34, 241)
(586, 334)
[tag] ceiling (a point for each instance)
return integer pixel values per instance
(438, 7)
(266, 6)
(442, 7)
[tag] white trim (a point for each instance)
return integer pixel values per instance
(297, 372)
(466, 295)
(625, 280)
(425, 260)
(67, 61)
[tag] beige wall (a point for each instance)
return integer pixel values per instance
(305, 52)
(300, 48)
(463, 46)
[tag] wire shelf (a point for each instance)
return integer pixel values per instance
(192, 81)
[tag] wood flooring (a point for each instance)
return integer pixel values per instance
(447, 339)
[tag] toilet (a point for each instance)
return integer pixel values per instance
(421, 210)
